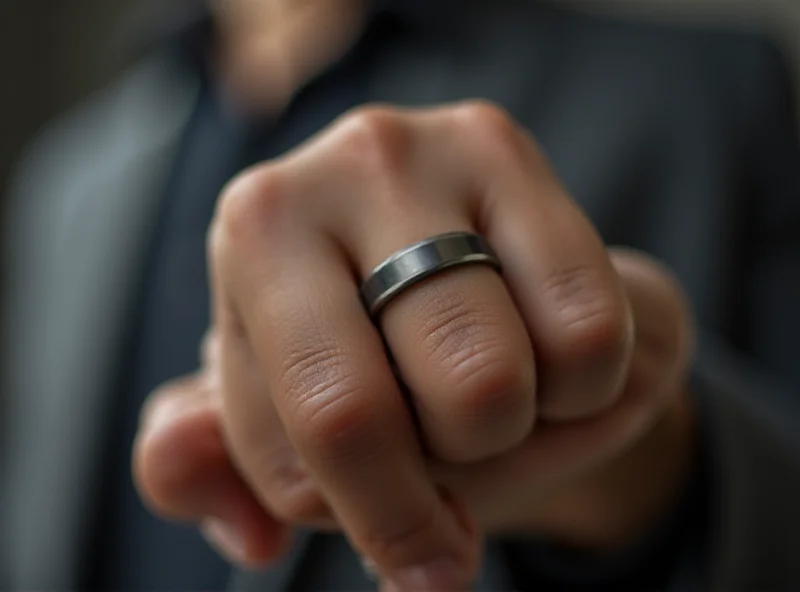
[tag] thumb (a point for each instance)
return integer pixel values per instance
(182, 471)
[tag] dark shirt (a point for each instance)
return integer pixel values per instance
(135, 551)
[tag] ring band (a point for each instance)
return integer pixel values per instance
(413, 264)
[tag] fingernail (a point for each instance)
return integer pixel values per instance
(225, 539)
(443, 575)
(370, 568)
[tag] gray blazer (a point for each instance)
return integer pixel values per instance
(678, 142)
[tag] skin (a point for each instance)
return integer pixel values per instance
(551, 400)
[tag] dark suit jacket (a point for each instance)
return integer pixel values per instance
(676, 141)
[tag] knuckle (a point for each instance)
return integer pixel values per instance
(486, 115)
(493, 386)
(491, 402)
(489, 378)
(592, 317)
(328, 416)
(375, 140)
(300, 507)
(293, 495)
(489, 124)
(248, 202)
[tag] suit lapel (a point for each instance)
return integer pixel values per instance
(98, 225)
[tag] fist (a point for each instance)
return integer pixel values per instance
(476, 403)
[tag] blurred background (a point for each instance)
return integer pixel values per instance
(55, 52)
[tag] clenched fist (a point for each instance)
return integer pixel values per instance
(546, 399)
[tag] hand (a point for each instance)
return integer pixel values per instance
(533, 391)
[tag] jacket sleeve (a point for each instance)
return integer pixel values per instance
(752, 393)
(737, 528)
(769, 315)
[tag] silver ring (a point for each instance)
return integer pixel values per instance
(413, 264)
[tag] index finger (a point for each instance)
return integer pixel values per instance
(331, 382)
